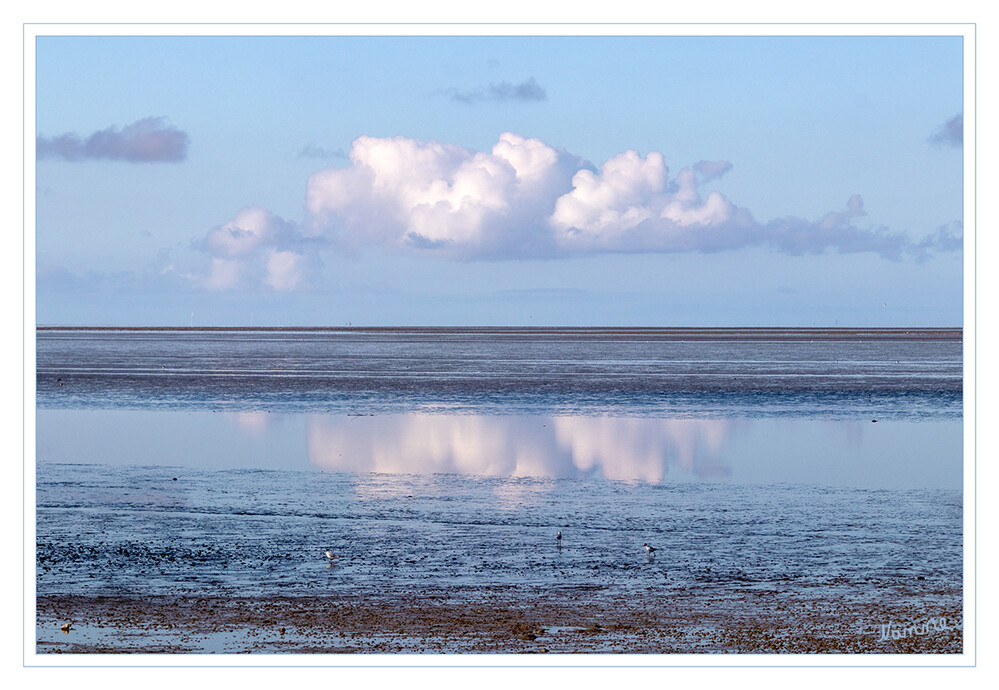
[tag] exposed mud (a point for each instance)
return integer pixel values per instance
(508, 620)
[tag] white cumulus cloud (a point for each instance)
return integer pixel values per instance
(255, 248)
(631, 204)
(522, 199)
(526, 199)
(408, 194)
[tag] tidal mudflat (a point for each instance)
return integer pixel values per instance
(802, 490)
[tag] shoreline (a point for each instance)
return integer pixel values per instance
(510, 620)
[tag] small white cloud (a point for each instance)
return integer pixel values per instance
(257, 247)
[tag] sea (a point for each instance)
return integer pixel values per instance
(229, 460)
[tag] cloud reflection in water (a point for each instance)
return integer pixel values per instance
(823, 452)
(630, 449)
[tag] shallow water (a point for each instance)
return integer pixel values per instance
(137, 529)
(663, 373)
(227, 462)
(887, 454)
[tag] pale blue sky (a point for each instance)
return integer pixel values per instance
(804, 124)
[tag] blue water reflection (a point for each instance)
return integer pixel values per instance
(887, 454)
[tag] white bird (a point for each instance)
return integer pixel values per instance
(650, 549)
(558, 537)
(330, 555)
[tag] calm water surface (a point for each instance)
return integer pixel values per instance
(228, 461)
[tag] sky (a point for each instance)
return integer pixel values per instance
(490, 180)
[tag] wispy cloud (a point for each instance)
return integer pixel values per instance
(313, 151)
(526, 91)
(946, 238)
(53, 279)
(950, 133)
(149, 140)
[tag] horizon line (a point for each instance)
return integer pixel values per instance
(348, 327)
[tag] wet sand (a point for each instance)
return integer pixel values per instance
(924, 619)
